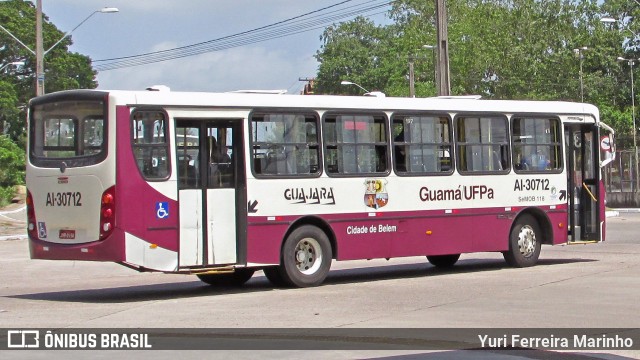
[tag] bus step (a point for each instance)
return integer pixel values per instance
(209, 271)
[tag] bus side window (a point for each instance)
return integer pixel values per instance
(422, 144)
(149, 144)
(285, 144)
(483, 144)
(356, 144)
(536, 144)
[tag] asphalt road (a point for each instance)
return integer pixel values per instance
(575, 287)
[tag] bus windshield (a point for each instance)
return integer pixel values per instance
(74, 131)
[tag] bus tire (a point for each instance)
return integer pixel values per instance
(306, 257)
(524, 242)
(443, 261)
(272, 273)
(237, 278)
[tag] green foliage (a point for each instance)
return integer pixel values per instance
(12, 169)
(11, 118)
(63, 70)
(6, 195)
(365, 46)
(12, 163)
(500, 49)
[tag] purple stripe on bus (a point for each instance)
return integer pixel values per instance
(136, 201)
(110, 249)
(602, 211)
(400, 234)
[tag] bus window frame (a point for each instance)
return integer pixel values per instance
(508, 168)
(77, 161)
(277, 111)
(76, 130)
(388, 143)
(452, 143)
(167, 142)
(561, 142)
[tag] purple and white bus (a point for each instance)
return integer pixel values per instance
(223, 184)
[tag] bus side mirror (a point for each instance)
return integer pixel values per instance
(608, 150)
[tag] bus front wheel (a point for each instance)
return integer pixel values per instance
(236, 278)
(524, 242)
(306, 257)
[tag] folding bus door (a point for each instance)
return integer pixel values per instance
(209, 161)
(583, 176)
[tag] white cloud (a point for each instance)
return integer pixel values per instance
(240, 68)
(144, 26)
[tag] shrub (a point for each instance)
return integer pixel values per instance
(12, 168)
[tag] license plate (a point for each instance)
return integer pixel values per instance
(67, 234)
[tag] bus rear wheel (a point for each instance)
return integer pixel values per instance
(443, 261)
(306, 257)
(237, 278)
(524, 242)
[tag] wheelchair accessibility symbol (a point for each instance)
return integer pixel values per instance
(162, 210)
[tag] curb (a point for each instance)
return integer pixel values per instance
(628, 210)
(13, 237)
(617, 212)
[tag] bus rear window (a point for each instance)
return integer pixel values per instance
(73, 131)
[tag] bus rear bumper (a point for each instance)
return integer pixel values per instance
(110, 249)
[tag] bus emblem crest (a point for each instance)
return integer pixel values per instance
(375, 195)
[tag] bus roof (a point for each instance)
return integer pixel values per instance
(338, 102)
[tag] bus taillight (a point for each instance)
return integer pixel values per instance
(32, 227)
(107, 212)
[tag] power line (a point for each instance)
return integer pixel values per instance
(228, 36)
(292, 26)
(229, 41)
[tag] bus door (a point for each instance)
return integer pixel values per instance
(209, 159)
(583, 172)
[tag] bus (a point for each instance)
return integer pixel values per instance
(220, 185)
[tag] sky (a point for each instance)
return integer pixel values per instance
(143, 26)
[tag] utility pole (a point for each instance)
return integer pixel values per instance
(39, 51)
(442, 81)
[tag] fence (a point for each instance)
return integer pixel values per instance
(621, 177)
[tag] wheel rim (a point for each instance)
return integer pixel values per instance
(527, 241)
(308, 256)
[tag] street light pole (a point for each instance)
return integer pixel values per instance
(412, 82)
(412, 59)
(631, 62)
(40, 52)
(15, 63)
(435, 66)
(345, 82)
(578, 52)
(105, 10)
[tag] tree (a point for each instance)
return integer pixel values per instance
(353, 51)
(500, 49)
(63, 70)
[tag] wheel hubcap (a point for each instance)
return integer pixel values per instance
(527, 241)
(308, 254)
